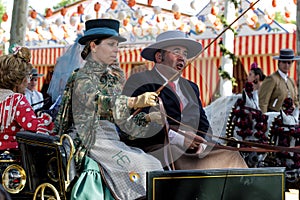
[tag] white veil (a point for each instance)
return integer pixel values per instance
(64, 66)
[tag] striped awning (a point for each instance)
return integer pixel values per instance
(203, 70)
(46, 56)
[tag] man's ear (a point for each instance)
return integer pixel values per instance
(158, 57)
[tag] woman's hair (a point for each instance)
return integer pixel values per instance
(87, 48)
(257, 71)
(14, 68)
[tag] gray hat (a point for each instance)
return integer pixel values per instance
(286, 54)
(172, 38)
(34, 73)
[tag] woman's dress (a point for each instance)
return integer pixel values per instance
(96, 106)
(16, 115)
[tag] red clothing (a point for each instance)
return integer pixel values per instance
(16, 115)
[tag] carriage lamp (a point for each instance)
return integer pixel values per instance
(14, 179)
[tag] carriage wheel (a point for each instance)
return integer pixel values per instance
(41, 188)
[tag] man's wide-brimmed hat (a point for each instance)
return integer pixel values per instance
(34, 73)
(286, 54)
(172, 38)
(101, 29)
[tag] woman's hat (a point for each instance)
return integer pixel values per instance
(101, 29)
(286, 54)
(172, 38)
(34, 73)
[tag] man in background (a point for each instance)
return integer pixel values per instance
(278, 86)
(34, 97)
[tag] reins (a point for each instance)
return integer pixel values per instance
(240, 145)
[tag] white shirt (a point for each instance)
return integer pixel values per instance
(34, 97)
(283, 75)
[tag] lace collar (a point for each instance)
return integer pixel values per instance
(4, 93)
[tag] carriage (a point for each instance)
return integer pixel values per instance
(42, 167)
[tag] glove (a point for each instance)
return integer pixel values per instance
(145, 100)
(154, 117)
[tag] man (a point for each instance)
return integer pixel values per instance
(34, 97)
(186, 118)
(278, 86)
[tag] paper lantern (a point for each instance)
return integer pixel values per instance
(138, 13)
(122, 15)
(113, 4)
(159, 18)
(175, 8)
(125, 21)
(63, 11)
(33, 14)
(80, 9)
(192, 4)
(97, 7)
(177, 15)
(141, 20)
(156, 10)
(287, 14)
(253, 7)
(131, 3)
(150, 2)
(274, 3)
(4, 17)
(214, 10)
(49, 12)
(200, 27)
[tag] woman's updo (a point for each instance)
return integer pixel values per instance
(87, 48)
(14, 68)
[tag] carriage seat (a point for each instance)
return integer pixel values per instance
(35, 137)
(45, 159)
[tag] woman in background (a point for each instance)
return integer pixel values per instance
(16, 114)
(256, 77)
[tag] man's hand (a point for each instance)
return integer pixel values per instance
(192, 141)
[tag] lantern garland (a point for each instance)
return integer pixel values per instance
(159, 21)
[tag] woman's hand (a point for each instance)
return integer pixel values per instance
(154, 117)
(145, 100)
(193, 141)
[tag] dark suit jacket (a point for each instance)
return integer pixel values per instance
(192, 114)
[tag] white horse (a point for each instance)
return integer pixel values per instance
(238, 116)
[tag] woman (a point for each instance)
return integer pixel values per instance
(256, 77)
(96, 106)
(16, 114)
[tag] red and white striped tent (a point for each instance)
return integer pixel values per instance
(204, 69)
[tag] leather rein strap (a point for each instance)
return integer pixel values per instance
(166, 130)
(247, 145)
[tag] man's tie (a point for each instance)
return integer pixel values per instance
(173, 86)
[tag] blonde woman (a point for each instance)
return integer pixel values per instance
(16, 113)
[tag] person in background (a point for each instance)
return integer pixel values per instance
(16, 113)
(187, 123)
(256, 77)
(92, 104)
(34, 97)
(278, 86)
(46, 96)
